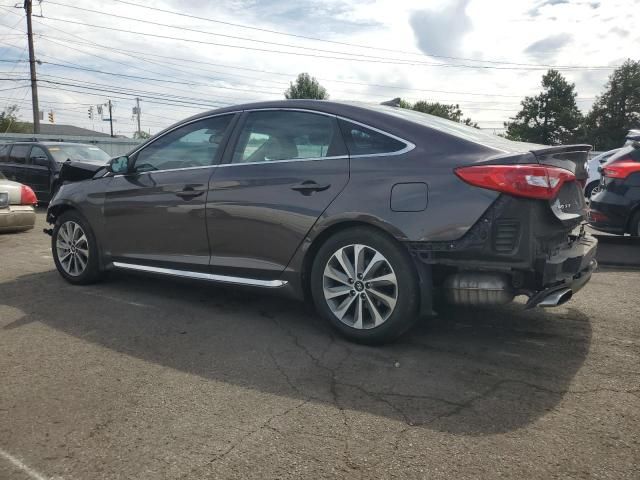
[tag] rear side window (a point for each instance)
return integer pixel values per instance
(4, 150)
(361, 140)
(275, 135)
(19, 154)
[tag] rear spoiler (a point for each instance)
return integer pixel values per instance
(570, 157)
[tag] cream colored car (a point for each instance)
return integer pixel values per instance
(17, 206)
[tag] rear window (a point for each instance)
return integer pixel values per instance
(365, 141)
(18, 153)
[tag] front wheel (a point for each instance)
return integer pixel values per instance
(365, 285)
(74, 249)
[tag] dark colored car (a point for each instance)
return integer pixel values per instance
(616, 206)
(368, 210)
(37, 164)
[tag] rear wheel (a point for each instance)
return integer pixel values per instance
(74, 249)
(592, 188)
(365, 285)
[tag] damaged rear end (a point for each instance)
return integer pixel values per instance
(531, 241)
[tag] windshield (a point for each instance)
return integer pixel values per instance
(62, 153)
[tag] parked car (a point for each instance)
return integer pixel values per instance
(632, 136)
(17, 203)
(366, 209)
(593, 182)
(616, 207)
(38, 164)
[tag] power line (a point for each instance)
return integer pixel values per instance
(111, 49)
(348, 58)
(328, 41)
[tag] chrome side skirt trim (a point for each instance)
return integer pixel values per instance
(202, 276)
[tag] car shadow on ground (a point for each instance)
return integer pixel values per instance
(468, 372)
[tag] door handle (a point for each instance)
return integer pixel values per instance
(188, 193)
(309, 186)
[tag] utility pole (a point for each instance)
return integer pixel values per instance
(138, 112)
(32, 67)
(110, 118)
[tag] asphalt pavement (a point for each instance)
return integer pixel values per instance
(150, 378)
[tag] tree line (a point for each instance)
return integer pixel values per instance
(551, 118)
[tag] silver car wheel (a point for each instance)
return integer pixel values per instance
(360, 286)
(72, 248)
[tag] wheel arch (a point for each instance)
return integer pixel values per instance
(634, 211)
(323, 235)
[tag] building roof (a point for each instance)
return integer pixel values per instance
(53, 129)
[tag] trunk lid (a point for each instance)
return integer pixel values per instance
(569, 205)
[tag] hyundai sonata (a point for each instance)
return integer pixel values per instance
(368, 210)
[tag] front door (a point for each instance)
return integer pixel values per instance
(284, 170)
(39, 167)
(155, 214)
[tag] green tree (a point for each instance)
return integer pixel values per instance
(448, 111)
(617, 110)
(306, 86)
(141, 135)
(9, 121)
(550, 118)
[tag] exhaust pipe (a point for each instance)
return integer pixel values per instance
(556, 298)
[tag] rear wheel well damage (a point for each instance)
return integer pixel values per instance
(422, 272)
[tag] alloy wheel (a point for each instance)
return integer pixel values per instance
(360, 286)
(72, 248)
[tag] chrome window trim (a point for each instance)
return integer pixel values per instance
(408, 145)
(202, 276)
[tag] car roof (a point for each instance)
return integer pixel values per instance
(46, 143)
(389, 118)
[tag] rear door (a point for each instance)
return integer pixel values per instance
(155, 214)
(17, 163)
(285, 168)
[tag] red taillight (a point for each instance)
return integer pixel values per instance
(531, 181)
(621, 168)
(27, 197)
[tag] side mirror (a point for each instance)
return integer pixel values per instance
(119, 165)
(41, 161)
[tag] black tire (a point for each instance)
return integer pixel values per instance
(588, 191)
(406, 292)
(91, 272)
(634, 225)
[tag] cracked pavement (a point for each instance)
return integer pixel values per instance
(149, 378)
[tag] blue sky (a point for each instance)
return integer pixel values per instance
(484, 55)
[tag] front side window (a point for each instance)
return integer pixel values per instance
(38, 156)
(365, 141)
(19, 154)
(194, 145)
(274, 135)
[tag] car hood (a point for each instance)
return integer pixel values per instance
(78, 170)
